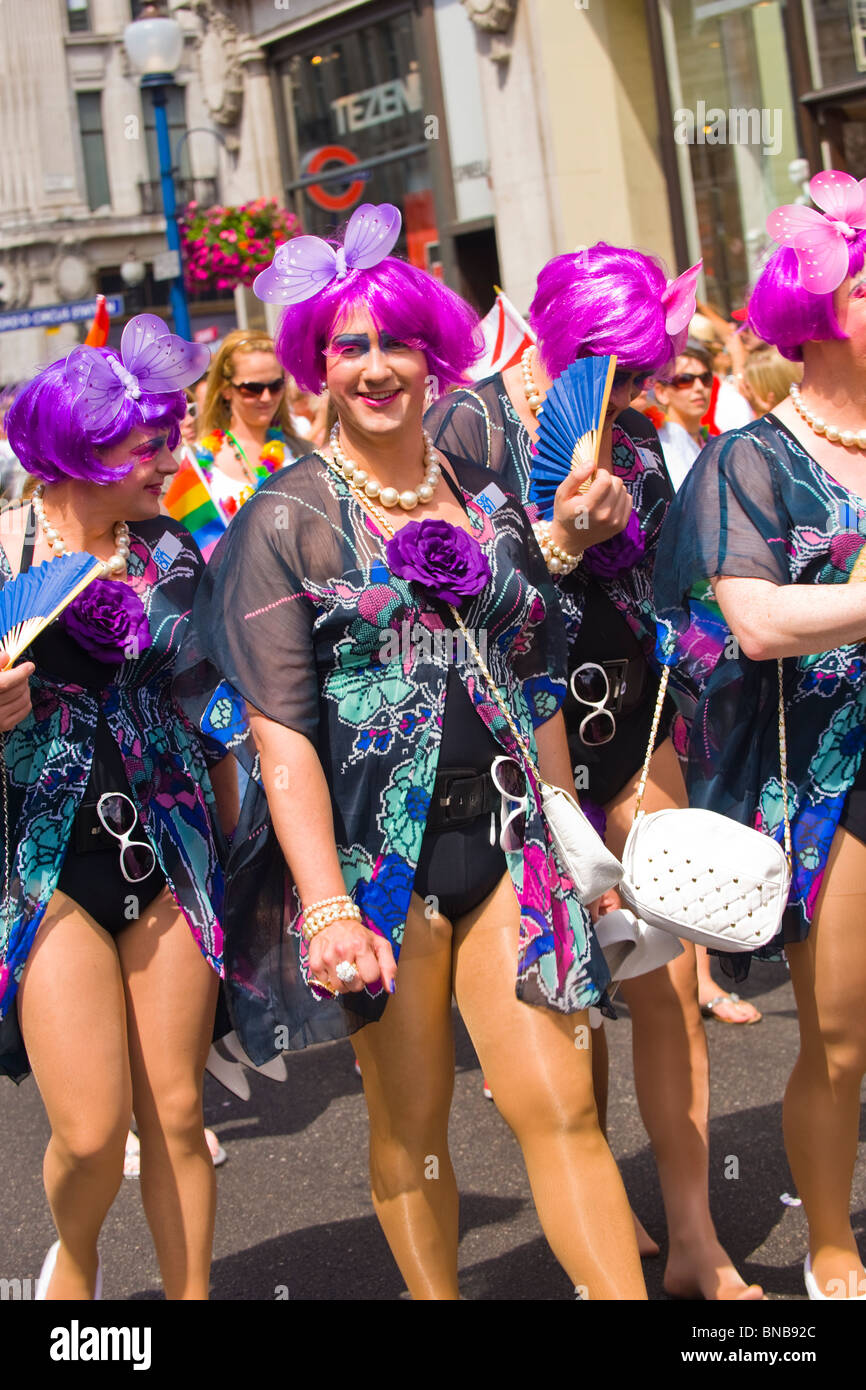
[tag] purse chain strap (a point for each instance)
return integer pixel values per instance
(783, 754)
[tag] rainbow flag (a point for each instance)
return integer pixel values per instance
(189, 502)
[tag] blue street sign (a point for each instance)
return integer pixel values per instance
(46, 315)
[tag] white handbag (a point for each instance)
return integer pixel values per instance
(580, 849)
(703, 876)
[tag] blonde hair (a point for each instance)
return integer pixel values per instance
(216, 414)
(769, 376)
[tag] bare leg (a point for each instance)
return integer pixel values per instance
(822, 1102)
(671, 1065)
(542, 1082)
(407, 1067)
(171, 993)
(647, 1247)
(73, 1020)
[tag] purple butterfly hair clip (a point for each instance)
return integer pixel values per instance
(304, 266)
(152, 359)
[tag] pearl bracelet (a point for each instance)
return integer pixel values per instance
(340, 911)
(558, 561)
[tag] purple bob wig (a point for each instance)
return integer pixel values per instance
(401, 300)
(51, 443)
(785, 314)
(604, 300)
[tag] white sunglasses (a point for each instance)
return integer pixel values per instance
(113, 810)
(505, 773)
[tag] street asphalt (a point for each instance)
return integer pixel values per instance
(294, 1218)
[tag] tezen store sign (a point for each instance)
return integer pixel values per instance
(375, 105)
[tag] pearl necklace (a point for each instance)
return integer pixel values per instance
(388, 496)
(58, 545)
(851, 439)
(533, 400)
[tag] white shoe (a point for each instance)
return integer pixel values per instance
(814, 1291)
(47, 1271)
(228, 1074)
(274, 1070)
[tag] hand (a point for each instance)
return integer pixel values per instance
(584, 519)
(15, 695)
(348, 940)
(608, 902)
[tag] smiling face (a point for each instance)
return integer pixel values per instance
(136, 496)
(376, 382)
(254, 409)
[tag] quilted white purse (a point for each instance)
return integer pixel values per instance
(704, 876)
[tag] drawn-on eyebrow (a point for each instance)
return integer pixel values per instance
(155, 442)
(351, 340)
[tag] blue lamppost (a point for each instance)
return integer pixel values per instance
(155, 46)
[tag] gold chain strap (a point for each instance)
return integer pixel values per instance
(660, 699)
(783, 760)
(783, 755)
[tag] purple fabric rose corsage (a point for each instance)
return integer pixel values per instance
(108, 621)
(443, 558)
(609, 558)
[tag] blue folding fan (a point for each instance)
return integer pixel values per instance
(34, 599)
(570, 424)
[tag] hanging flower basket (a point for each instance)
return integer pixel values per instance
(224, 247)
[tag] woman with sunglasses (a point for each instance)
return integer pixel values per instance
(245, 431)
(112, 946)
(684, 396)
(600, 547)
(328, 611)
(774, 517)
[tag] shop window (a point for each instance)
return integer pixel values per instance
(356, 108)
(734, 126)
(93, 149)
(78, 16)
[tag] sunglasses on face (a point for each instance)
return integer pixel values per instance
(117, 815)
(637, 380)
(252, 389)
(590, 686)
(687, 378)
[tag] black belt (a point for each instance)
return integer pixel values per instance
(627, 679)
(461, 795)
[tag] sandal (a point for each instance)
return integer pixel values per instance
(710, 1010)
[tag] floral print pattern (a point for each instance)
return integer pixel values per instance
(49, 756)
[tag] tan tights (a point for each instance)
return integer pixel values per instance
(822, 1102)
(111, 1025)
(543, 1087)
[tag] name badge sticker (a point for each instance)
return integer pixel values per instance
(167, 551)
(491, 499)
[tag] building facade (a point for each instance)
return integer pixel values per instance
(506, 131)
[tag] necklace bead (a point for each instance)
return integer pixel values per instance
(53, 538)
(849, 439)
(533, 399)
(388, 496)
